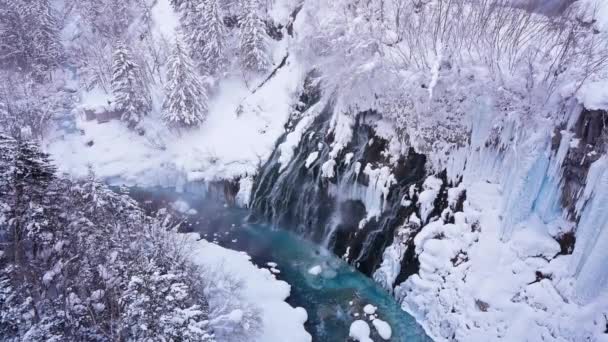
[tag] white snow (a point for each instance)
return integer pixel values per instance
(426, 198)
(383, 328)
(594, 95)
(165, 19)
(359, 330)
(369, 309)
(312, 157)
(260, 288)
(286, 148)
(328, 168)
(348, 157)
(239, 134)
(315, 270)
(475, 286)
(244, 194)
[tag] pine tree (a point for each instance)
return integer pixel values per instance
(208, 38)
(189, 14)
(45, 39)
(176, 4)
(253, 40)
(13, 35)
(186, 96)
(29, 36)
(128, 87)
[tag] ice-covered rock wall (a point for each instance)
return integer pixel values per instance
(511, 224)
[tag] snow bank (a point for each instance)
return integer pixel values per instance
(359, 330)
(383, 329)
(475, 286)
(431, 187)
(260, 288)
(369, 309)
(238, 135)
(594, 95)
(312, 157)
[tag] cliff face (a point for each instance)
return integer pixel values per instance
(487, 240)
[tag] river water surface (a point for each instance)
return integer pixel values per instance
(333, 299)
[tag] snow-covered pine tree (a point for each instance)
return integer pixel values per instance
(72, 255)
(209, 37)
(189, 15)
(253, 39)
(29, 36)
(186, 98)
(12, 36)
(47, 48)
(129, 91)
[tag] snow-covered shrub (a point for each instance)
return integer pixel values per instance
(231, 317)
(186, 98)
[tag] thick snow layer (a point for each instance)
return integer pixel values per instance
(430, 187)
(475, 286)
(312, 157)
(328, 168)
(239, 134)
(240, 131)
(369, 309)
(383, 329)
(287, 148)
(244, 194)
(260, 288)
(359, 330)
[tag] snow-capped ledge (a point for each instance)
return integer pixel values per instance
(260, 288)
(473, 286)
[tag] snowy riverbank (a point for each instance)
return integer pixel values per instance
(260, 289)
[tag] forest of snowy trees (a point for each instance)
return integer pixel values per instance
(112, 47)
(82, 262)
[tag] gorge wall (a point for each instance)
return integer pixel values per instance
(517, 205)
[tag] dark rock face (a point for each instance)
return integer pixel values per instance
(566, 243)
(592, 131)
(299, 197)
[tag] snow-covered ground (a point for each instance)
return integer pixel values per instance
(260, 289)
(240, 131)
(472, 286)
(239, 134)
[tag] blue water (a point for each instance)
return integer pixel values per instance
(331, 298)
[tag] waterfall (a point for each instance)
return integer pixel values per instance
(342, 193)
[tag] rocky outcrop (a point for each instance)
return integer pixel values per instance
(588, 143)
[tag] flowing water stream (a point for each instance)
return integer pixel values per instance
(333, 299)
